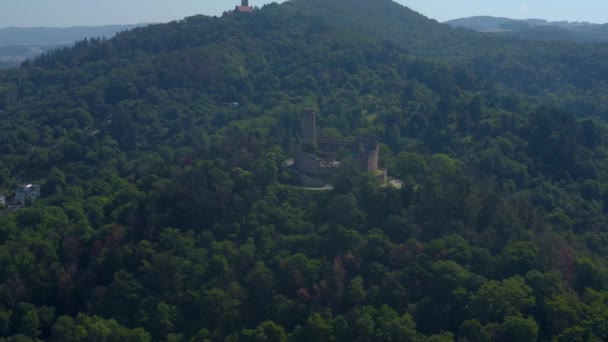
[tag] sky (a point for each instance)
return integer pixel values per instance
(62, 13)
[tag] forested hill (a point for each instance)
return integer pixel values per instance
(558, 74)
(536, 29)
(167, 211)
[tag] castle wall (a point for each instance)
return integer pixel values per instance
(328, 169)
(324, 163)
(382, 177)
(309, 128)
(327, 156)
(311, 182)
(335, 146)
(373, 158)
(305, 162)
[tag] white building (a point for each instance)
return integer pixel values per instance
(27, 192)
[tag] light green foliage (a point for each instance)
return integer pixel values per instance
(517, 328)
(355, 292)
(472, 330)
(94, 328)
(498, 299)
(265, 332)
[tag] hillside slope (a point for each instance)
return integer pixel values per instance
(552, 73)
(168, 213)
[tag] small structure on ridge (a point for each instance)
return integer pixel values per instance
(27, 193)
(244, 8)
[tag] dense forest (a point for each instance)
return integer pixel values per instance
(166, 213)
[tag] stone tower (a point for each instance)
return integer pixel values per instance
(373, 155)
(245, 3)
(368, 156)
(309, 129)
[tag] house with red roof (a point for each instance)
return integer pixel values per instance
(244, 8)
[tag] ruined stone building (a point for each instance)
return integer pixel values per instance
(244, 8)
(27, 192)
(317, 159)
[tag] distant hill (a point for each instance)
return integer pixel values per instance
(391, 23)
(536, 29)
(480, 23)
(13, 55)
(20, 43)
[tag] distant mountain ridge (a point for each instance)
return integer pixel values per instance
(537, 29)
(20, 43)
(57, 35)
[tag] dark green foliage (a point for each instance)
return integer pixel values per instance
(517, 328)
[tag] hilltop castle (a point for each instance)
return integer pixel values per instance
(244, 8)
(315, 159)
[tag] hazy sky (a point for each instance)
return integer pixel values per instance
(99, 12)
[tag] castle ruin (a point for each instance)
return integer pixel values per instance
(244, 8)
(317, 159)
